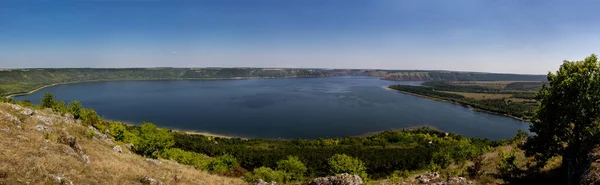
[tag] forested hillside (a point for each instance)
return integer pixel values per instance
(15, 81)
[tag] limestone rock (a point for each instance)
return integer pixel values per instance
(427, 177)
(85, 159)
(45, 119)
(27, 112)
(118, 149)
(154, 161)
(12, 118)
(43, 128)
(150, 181)
(262, 182)
(96, 134)
(342, 179)
(60, 179)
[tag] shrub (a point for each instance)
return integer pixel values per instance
(294, 169)
(223, 163)
(75, 108)
(266, 174)
(198, 160)
(48, 101)
(342, 163)
(153, 140)
(117, 130)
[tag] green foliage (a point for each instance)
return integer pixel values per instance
(75, 108)
(292, 167)
(404, 150)
(223, 163)
(48, 101)
(117, 130)
(153, 140)
(266, 174)
(567, 122)
(200, 161)
(518, 109)
(342, 163)
(508, 168)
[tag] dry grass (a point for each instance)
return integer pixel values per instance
(28, 156)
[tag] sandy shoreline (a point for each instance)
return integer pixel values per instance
(35, 90)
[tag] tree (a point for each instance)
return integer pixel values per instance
(48, 101)
(342, 163)
(75, 108)
(153, 139)
(567, 121)
(223, 163)
(293, 168)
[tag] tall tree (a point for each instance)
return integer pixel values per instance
(48, 101)
(567, 122)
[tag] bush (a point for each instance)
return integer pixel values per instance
(117, 130)
(198, 160)
(294, 169)
(75, 108)
(266, 174)
(341, 163)
(153, 140)
(223, 163)
(48, 101)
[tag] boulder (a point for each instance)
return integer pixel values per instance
(85, 159)
(118, 149)
(342, 179)
(5, 129)
(45, 119)
(43, 128)
(427, 177)
(60, 179)
(96, 134)
(459, 180)
(71, 141)
(27, 112)
(154, 161)
(262, 182)
(150, 181)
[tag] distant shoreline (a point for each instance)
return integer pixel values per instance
(157, 79)
(456, 103)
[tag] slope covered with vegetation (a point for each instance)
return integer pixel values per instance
(14, 81)
(516, 99)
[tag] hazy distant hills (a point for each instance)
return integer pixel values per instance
(24, 80)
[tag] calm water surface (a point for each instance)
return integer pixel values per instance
(278, 108)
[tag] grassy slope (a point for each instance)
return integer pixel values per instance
(28, 157)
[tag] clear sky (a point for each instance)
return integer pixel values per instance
(509, 36)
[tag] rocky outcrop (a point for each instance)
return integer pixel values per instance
(154, 161)
(151, 181)
(43, 128)
(60, 179)
(427, 177)
(118, 149)
(342, 179)
(262, 182)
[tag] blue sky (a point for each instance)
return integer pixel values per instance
(508, 36)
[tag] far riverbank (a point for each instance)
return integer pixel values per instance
(458, 103)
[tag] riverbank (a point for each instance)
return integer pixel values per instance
(157, 79)
(459, 103)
